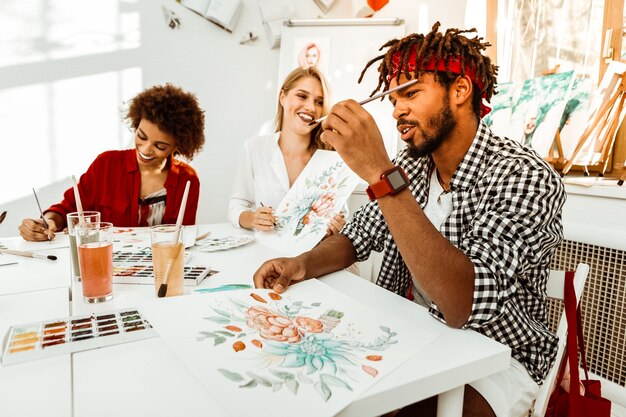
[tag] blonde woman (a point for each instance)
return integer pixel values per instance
(270, 164)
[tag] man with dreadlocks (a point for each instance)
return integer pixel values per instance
(472, 236)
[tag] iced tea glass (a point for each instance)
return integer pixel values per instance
(168, 257)
(90, 217)
(95, 257)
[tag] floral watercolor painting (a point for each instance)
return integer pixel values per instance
(320, 192)
(311, 349)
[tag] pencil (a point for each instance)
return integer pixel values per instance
(374, 97)
(28, 254)
(45, 223)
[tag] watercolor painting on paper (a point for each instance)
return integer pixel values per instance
(499, 118)
(537, 113)
(303, 216)
(312, 348)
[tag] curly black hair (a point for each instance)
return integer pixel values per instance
(175, 112)
(441, 47)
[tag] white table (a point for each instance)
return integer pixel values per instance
(36, 388)
(31, 274)
(145, 371)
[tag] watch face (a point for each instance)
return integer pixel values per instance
(396, 179)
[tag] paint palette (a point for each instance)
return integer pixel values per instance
(31, 341)
(144, 274)
(223, 243)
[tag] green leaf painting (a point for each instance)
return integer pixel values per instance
(289, 350)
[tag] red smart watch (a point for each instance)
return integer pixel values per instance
(391, 182)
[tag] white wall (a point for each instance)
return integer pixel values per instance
(236, 83)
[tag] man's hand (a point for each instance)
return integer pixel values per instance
(34, 231)
(352, 131)
(278, 273)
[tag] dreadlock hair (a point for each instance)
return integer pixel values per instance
(441, 47)
(289, 84)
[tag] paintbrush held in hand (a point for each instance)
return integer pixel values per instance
(43, 219)
(374, 97)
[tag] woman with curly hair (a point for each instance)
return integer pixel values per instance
(142, 186)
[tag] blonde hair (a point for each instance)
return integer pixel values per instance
(289, 84)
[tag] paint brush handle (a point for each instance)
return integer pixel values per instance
(374, 97)
(28, 254)
(79, 204)
(43, 219)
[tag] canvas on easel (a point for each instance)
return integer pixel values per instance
(537, 113)
(595, 146)
(572, 123)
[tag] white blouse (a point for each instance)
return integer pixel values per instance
(261, 177)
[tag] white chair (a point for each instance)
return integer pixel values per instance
(555, 289)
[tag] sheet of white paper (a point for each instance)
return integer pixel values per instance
(304, 214)
(309, 353)
(60, 240)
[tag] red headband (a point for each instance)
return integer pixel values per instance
(455, 66)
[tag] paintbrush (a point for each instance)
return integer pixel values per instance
(374, 97)
(272, 216)
(179, 223)
(45, 223)
(28, 254)
(79, 204)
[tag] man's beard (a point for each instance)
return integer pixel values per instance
(443, 123)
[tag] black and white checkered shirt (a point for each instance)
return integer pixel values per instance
(506, 218)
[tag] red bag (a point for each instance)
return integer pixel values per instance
(573, 404)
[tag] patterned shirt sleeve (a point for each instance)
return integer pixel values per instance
(367, 230)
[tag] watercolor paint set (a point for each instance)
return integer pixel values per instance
(144, 274)
(44, 339)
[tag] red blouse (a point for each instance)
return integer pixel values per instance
(111, 186)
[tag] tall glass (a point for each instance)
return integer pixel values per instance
(95, 256)
(168, 257)
(90, 217)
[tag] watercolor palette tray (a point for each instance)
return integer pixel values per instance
(139, 256)
(44, 339)
(144, 274)
(223, 243)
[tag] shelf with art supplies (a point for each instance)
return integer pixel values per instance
(223, 13)
(564, 120)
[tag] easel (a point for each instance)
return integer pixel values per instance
(603, 123)
(622, 177)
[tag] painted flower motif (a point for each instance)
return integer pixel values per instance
(308, 325)
(272, 326)
(323, 206)
(316, 351)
